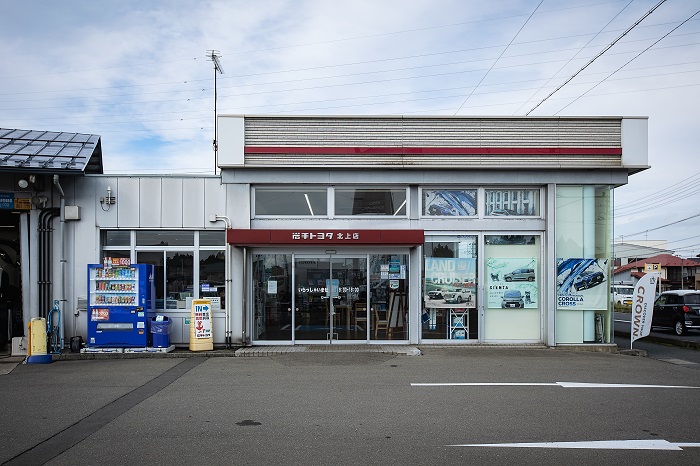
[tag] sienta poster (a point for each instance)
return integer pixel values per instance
(582, 284)
(512, 283)
(450, 283)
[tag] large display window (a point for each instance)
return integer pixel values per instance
(371, 202)
(297, 202)
(450, 284)
(584, 252)
(187, 264)
(513, 309)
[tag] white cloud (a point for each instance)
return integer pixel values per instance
(135, 72)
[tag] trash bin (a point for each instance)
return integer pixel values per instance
(160, 330)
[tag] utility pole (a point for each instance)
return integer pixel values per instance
(214, 55)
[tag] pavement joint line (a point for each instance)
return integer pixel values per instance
(55, 445)
(680, 362)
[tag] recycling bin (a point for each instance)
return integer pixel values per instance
(160, 331)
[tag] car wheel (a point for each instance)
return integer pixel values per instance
(679, 328)
(531, 279)
(508, 279)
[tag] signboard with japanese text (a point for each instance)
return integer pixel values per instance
(202, 318)
(324, 237)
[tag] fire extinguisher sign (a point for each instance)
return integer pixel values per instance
(202, 319)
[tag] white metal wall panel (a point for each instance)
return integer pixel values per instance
(97, 188)
(127, 205)
(150, 202)
(192, 202)
(214, 201)
(172, 202)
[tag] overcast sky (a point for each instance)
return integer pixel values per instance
(136, 73)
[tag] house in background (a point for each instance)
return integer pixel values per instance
(677, 273)
(630, 251)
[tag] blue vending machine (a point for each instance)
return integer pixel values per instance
(120, 304)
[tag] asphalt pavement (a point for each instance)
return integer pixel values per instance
(444, 406)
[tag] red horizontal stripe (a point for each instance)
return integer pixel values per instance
(291, 150)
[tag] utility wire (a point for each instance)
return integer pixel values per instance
(572, 58)
(597, 56)
(663, 226)
(628, 62)
(499, 57)
(656, 193)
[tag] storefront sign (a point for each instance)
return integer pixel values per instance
(582, 284)
(512, 283)
(241, 237)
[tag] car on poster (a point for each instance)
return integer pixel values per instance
(512, 298)
(578, 284)
(459, 296)
(512, 283)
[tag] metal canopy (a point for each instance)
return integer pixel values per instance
(50, 152)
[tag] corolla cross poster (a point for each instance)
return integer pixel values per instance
(582, 284)
(512, 282)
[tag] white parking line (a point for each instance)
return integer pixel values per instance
(658, 444)
(544, 384)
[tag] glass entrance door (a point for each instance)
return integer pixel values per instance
(330, 298)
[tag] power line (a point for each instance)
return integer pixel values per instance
(574, 56)
(499, 57)
(608, 47)
(630, 61)
(663, 226)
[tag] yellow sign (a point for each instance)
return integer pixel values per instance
(23, 203)
(652, 267)
(201, 333)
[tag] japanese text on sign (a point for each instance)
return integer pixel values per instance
(325, 236)
(202, 320)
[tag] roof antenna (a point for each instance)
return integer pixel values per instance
(214, 55)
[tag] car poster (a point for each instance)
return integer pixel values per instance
(450, 283)
(449, 203)
(582, 284)
(512, 283)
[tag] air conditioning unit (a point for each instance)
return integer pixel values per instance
(19, 346)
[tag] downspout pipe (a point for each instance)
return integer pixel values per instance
(227, 280)
(62, 297)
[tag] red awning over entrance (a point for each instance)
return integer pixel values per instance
(324, 237)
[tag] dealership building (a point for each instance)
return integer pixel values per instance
(336, 229)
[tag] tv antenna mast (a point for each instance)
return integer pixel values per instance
(214, 55)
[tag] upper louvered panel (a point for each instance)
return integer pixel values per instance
(432, 132)
(433, 162)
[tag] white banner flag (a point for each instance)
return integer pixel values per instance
(643, 306)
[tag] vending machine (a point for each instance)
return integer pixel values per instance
(120, 304)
